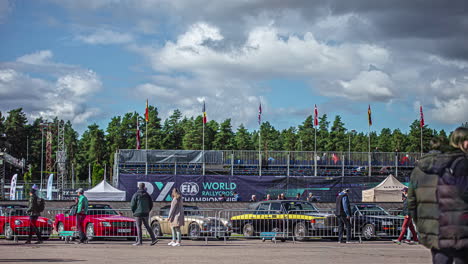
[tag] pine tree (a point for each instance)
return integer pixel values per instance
(224, 139)
(243, 139)
(305, 135)
(289, 139)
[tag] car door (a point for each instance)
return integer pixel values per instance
(165, 227)
(277, 217)
(69, 221)
(261, 217)
(2, 220)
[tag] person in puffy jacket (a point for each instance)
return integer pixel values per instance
(141, 205)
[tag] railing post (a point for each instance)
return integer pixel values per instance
(370, 164)
(288, 173)
(396, 165)
(260, 164)
(146, 163)
(232, 163)
(175, 167)
(343, 166)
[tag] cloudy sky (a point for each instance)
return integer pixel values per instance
(89, 60)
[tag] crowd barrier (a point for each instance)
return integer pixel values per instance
(204, 224)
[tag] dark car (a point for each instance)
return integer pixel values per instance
(300, 219)
(371, 220)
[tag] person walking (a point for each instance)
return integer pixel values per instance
(407, 223)
(176, 217)
(438, 201)
(343, 213)
(81, 212)
(141, 207)
(34, 212)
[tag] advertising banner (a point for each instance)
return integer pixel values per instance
(13, 187)
(49, 186)
(198, 188)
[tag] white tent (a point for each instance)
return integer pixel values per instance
(105, 192)
(389, 190)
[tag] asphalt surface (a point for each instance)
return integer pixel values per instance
(234, 251)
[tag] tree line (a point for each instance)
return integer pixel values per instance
(97, 145)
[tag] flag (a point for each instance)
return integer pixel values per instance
(260, 114)
(315, 116)
(147, 112)
(138, 145)
(369, 116)
(13, 187)
(335, 158)
(50, 181)
(421, 122)
(204, 113)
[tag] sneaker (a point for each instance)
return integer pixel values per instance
(39, 242)
(407, 241)
(414, 242)
(171, 243)
(154, 242)
(137, 244)
(396, 241)
(351, 242)
(176, 244)
(341, 242)
(27, 242)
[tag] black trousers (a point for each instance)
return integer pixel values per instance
(79, 226)
(144, 220)
(33, 228)
(449, 256)
(344, 221)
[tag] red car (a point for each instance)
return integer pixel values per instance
(101, 221)
(14, 221)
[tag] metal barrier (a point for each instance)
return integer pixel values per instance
(16, 223)
(376, 222)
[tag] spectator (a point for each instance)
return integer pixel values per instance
(34, 213)
(222, 198)
(81, 212)
(311, 198)
(176, 217)
(268, 197)
(407, 223)
(438, 199)
(298, 197)
(237, 197)
(282, 196)
(343, 213)
(278, 197)
(254, 198)
(141, 207)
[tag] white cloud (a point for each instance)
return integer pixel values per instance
(452, 111)
(64, 96)
(367, 86)
(105, 36)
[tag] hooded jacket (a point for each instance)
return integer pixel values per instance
(343, 208)
(423, 205)
(141, 203)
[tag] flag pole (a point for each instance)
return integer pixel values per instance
(421, 141)
(203, 138)
(315, 151)
(369, 156)
(260, 140)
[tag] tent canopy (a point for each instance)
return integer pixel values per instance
(389, 190)
(105, 192)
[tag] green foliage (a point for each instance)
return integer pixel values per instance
(243, 139)
(225, 137)
(97, 174)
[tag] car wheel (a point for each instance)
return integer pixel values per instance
(60, 228)
(368, 231)
(300, 232)
(194, 231)
(156, 227)
(90, 232)
(8, 232)
(248, 230)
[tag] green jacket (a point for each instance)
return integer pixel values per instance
(422, 199)
(33, 206)
(141, 204)
(82, 206)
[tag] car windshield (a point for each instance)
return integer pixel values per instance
(372, 210)
(14, 211)
(188, 211)
(300, 206)
(101, 210)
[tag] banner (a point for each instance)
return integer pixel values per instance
(13, 187)
(200, 188)
(49, 186)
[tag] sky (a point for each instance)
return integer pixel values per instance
(89, 60)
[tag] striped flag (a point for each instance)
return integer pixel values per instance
(260, 114)
(138, 144)
(204, 113)
(369, 116)
(147, 112)
(421, 122)
(315, 116)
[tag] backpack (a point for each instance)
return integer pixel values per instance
(40, 205)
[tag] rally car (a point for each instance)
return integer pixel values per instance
(370, 221)
(101, 221)
(286, 217)
(14, 221)
(198, 223)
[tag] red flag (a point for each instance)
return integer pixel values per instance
(260, 114)
(335, 158)
(146, 112)
(369, 116)
(138, 145)
(421, 122)
(204, 113)
(315, 116)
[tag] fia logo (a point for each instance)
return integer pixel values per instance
(189, 188)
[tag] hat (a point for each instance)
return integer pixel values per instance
(80, 190)
(404, 189)
(346, 190)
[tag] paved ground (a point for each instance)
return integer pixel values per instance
(235, 251)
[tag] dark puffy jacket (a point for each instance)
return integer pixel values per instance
(33, 206)
(422, 199)
(341, 204)
(452, 192)
(141, 204)
(404, 211)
